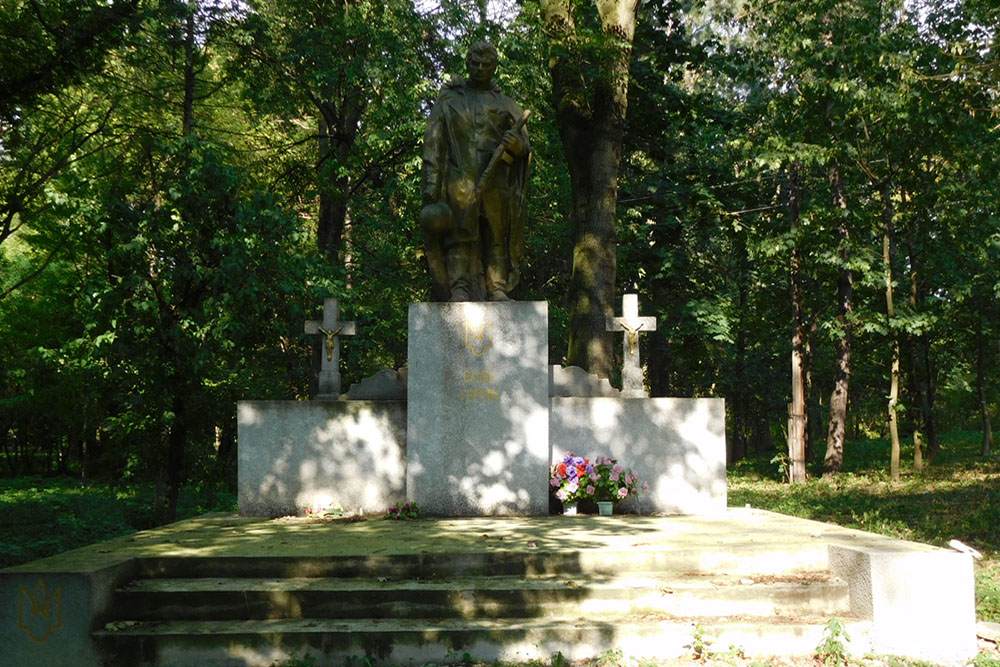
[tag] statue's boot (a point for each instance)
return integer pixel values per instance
(459, 270)
(497, 274)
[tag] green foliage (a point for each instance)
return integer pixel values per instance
(305, 661)
(403, 511)
(44, 516)
(832, 649)
(701, 645)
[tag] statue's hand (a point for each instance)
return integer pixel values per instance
(513, 144)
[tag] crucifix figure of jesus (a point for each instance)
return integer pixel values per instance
(331, 328)
(631, 325)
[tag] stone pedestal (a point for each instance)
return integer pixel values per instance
(478, 413)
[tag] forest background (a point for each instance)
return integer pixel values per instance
(799, 185)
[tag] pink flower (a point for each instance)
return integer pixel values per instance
(591, 490)
(622, 492)
(561, 494)
(594, 477)
(615, 474)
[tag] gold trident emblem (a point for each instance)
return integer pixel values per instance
(44, 611)
(480, 339)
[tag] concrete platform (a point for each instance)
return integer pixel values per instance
(57, 611)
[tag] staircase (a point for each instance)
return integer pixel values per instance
(488, 605)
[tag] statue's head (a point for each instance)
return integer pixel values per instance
(481, 63)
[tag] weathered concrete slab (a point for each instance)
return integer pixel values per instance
(298, 454)
(923, 603)
(477, 420)
(48, 613)
(732, 543)
(677, 445)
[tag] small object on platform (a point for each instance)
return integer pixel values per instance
(605, 507)
(569, 509)
(964, 548)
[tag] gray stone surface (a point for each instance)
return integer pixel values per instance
(677, 445)
(385, 385)
(923, 603)
(48, 614)
(296, 454)
(477, 425)
(574, 381)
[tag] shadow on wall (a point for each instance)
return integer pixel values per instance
(676, 445)
(321, 454)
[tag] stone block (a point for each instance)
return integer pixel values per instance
(676, 445)
(922, 603)
(47, 615)
(295, 454)
(574, 381)
(385, 385)
(477, 424)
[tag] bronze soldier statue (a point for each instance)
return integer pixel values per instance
(475, 165)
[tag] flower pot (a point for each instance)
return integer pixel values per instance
(605, 507)
(569, 509)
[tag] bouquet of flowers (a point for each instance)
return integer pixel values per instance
(571, 478)
(576, 478)
(612, 482)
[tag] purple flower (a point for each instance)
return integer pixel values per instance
(554, 482)
(594, 477)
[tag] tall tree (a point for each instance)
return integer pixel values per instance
(590, 50)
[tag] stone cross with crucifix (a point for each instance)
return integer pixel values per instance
(631, 325)
(331, 328)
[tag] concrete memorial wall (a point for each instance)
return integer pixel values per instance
(473, 425)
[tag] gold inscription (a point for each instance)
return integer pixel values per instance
(471, 394)
(481, 393)
(483, 377)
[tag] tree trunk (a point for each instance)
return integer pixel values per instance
(920, 366)
(888, 257)
(797, 410)
(833, 462)
(660, 365)
(338, 131)
(738, 443)
(176, 446)
(984, 405)
(187, 125)
(591, 99)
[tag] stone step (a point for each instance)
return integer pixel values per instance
(398, 641)
(750, 560)
(478, 597)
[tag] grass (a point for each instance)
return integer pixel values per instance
(41, 517)
(956, 498)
